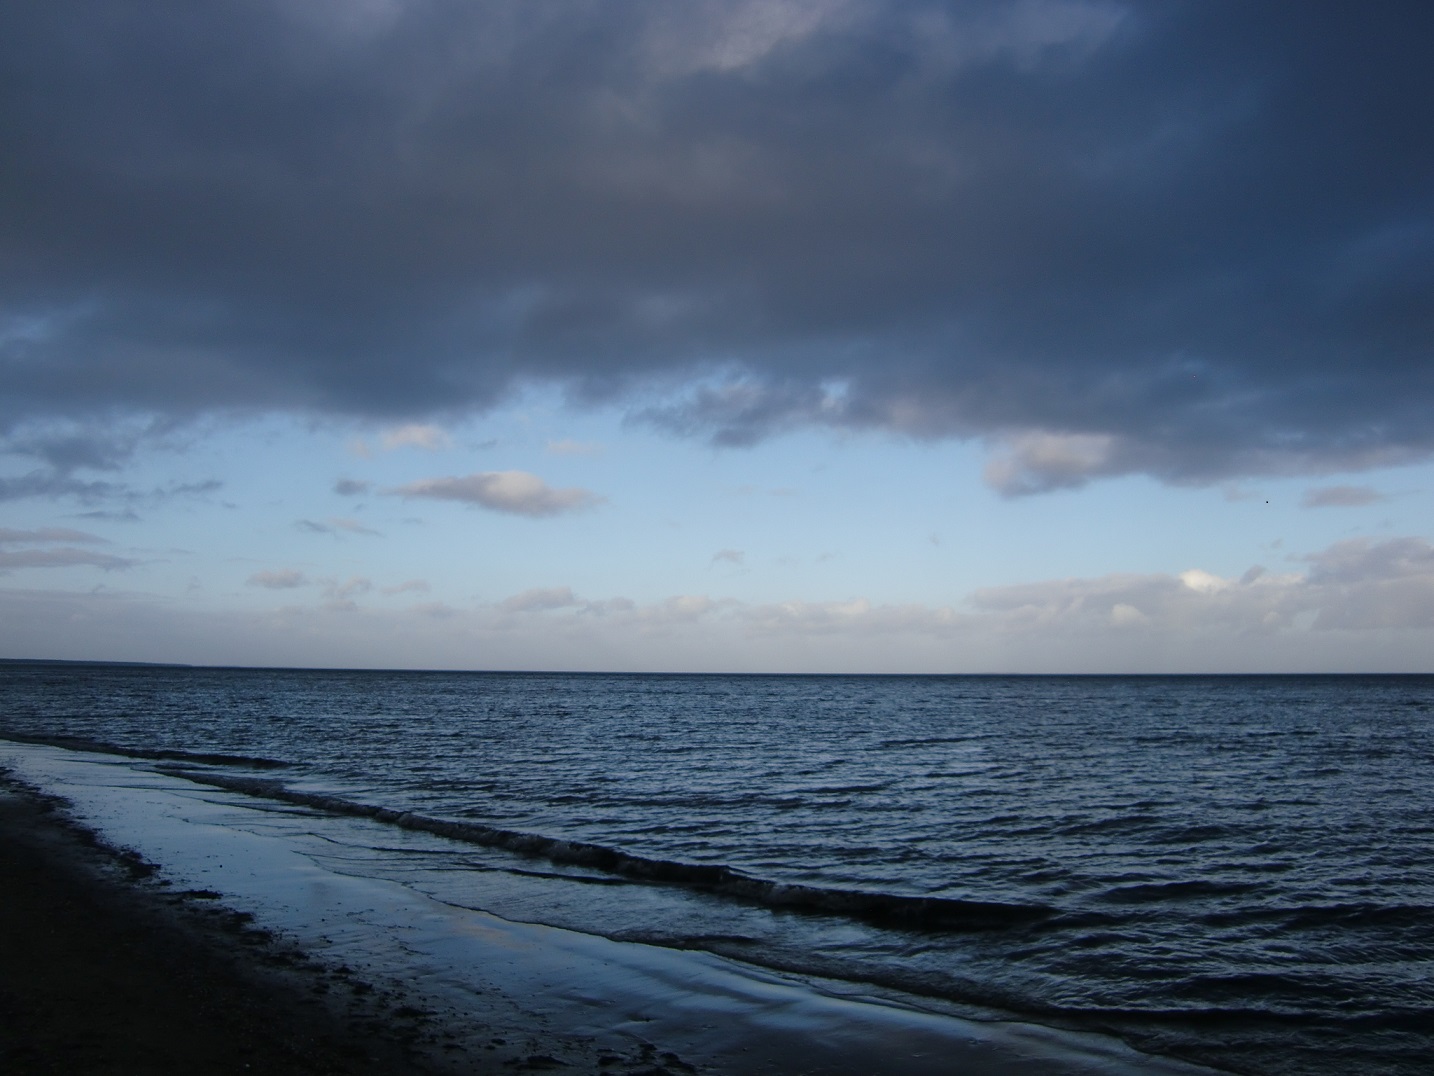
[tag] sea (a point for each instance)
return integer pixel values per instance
(1231, 870)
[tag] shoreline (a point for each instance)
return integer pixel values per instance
(105, 969)
(417, 985)
(108, 967)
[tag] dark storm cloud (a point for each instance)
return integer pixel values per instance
(1193, 239)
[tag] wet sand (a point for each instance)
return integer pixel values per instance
(118, 967)
(105, 967)
(102, 970)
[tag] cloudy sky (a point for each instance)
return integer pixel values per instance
(790, 335)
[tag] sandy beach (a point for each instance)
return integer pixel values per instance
(105, 969)
(159, 926)
(109, 968)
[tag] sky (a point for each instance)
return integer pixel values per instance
(729, 335)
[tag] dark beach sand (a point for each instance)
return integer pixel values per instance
(102, 969)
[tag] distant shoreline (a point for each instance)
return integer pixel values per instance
(98, 661)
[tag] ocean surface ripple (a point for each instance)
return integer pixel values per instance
(1235, 870)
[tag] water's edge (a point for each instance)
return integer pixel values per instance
(730, 1016)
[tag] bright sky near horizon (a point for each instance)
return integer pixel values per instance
(819, 335)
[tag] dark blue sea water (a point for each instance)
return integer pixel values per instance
(1234, 870)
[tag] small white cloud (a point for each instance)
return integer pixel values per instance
(515, 492)
(567, 447)
(729, 556)
(1203, 582)
(540, 599)
(283, 579)
(431, 438)
(351, 487)
(1342, 497)
(1038, 462)
(1123, 615)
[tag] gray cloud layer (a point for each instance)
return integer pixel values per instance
(1194, 239)
(1361, 604)
(1354, 585)
(1341, 497)
(335, 526)
(9, 535)
(55, 557)
(63, 557)
(280, 579)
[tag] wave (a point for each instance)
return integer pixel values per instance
(912, 912)
(1182, 890)
(926, 741)
(1359, 914)
(208, 758)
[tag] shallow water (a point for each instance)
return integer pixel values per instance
(1238, 870)
(504, 991)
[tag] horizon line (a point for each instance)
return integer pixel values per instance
(201, 667)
